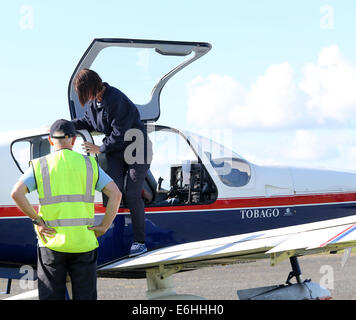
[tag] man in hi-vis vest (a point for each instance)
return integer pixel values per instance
(67, 238)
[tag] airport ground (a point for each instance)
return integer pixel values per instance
(221, 282)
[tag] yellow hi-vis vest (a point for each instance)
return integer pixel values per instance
(66, 183)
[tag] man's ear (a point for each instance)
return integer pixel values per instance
(73, 140)
(50, 141)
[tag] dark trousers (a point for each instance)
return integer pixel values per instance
(135, 175)
(52, 269)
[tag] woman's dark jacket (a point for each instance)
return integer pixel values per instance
(115, 115)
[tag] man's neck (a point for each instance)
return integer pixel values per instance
(62, 148)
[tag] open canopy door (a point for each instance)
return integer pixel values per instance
(149, 111)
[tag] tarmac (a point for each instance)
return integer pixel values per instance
(222, 282)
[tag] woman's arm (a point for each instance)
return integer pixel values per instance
(121, 118)
(84, 122)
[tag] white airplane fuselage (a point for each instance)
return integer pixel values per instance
(274, 198)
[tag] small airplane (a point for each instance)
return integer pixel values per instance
(205, 204)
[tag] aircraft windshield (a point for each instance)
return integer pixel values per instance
(232, 169)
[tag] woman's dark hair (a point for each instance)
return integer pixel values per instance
(87, 84)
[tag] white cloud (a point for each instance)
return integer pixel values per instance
(282, 120)
(312, 146)
(211, 99)
(325, 95)
(325, 148)
(330, 86)
(266, 101)
(220, 101)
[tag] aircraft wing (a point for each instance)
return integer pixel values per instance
(276, 244)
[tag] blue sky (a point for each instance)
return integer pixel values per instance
(253, 44)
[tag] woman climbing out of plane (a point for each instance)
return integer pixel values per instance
(111, 112)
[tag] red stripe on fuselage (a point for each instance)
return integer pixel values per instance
(11, 212)
(228, 203)
(231, 203)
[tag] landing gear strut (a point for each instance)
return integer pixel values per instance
(302, 290)
(161, 287)
(296, 272)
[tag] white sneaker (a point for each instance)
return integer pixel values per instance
(137, 249)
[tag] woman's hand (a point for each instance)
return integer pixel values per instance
(99, 230)
(91, 148)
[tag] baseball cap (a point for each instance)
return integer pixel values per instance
(64, 126)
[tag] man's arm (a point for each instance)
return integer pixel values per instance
(18, 194)
(114, 198)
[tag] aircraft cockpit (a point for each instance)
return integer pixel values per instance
(177, 175)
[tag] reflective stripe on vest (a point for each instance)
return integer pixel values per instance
(49, 199)
(70, 222)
